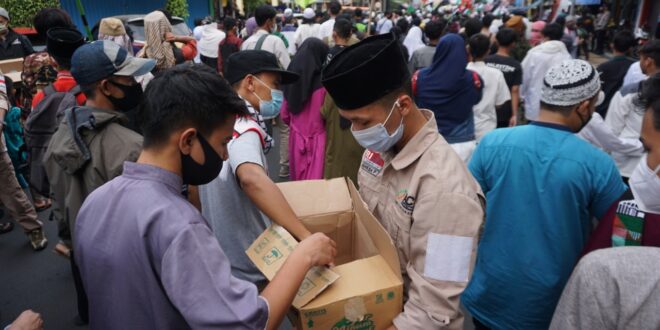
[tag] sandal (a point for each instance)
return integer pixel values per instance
(42, 204)
(62, 250)
(6, 227)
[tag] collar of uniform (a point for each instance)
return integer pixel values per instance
(418, 144)
(260, 32)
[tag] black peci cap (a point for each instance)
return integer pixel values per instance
(247, 62)
(365, 72)
(61, 43)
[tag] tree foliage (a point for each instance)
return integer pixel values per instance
(251, 5)
(22, 12)
(178, 8)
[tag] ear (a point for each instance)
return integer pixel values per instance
(405, 104)
(104, 87)
(186, 140)
(249, 83)
(583, 108)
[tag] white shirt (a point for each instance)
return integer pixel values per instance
(325, 31)
(211, 38)
(305, 31)
(634, 74)
(601, 136)
(384, 26)
(625, 121)
(495, 93)
(272, 44)
(537, 62)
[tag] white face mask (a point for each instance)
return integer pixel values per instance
(645, 186)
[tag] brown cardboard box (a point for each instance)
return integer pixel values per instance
(12, 68)
(365, 289)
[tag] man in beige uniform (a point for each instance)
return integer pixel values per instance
(411, 180)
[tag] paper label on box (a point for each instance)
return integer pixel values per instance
(269, 252)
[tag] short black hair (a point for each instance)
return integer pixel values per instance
(564, 110)
(651, 49)
(506, 37)
(472, 27)
(434, 29)
(479, 45)
(403, 25)
(168, 99)
(89, 89)
(358, 12)
(49, 18)
(387, 100)
(649, 97)
(229, 23)
(553, 31)
(334, 7)
(343, 28)
(623, 41)
(263, 14)
(416, 21)
(487, 20)
(198, 21)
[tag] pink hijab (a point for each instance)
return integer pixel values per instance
(536, 38)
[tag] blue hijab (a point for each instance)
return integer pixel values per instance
(450, 90)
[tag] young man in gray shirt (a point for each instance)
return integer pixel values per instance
(242, 200)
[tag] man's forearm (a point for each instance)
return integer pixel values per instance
(268, 198)
(515, 100)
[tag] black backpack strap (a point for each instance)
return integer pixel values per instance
(260, 42)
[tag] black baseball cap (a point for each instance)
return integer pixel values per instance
(247, 62)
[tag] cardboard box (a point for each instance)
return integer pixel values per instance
(365, 289)
(12, 68)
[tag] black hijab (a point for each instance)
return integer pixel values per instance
(308, 63)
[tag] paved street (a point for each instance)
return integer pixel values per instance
(42, 281)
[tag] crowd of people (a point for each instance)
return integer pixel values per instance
(495, 157)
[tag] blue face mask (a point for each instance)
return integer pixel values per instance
(270, 109)
(376, 138)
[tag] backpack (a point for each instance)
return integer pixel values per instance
(40, 126)
(225, 50)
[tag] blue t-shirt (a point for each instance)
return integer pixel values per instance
(543, 185)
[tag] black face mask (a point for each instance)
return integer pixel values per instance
(583, 121)
(198, 174)
(132, 97)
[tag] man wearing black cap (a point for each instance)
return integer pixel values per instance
(411, 179)
(241, 202)
(61, 43)
(91, 144)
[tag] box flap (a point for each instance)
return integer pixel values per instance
(269, 252)
(379, 236)
(316, 197)
(357, 278)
